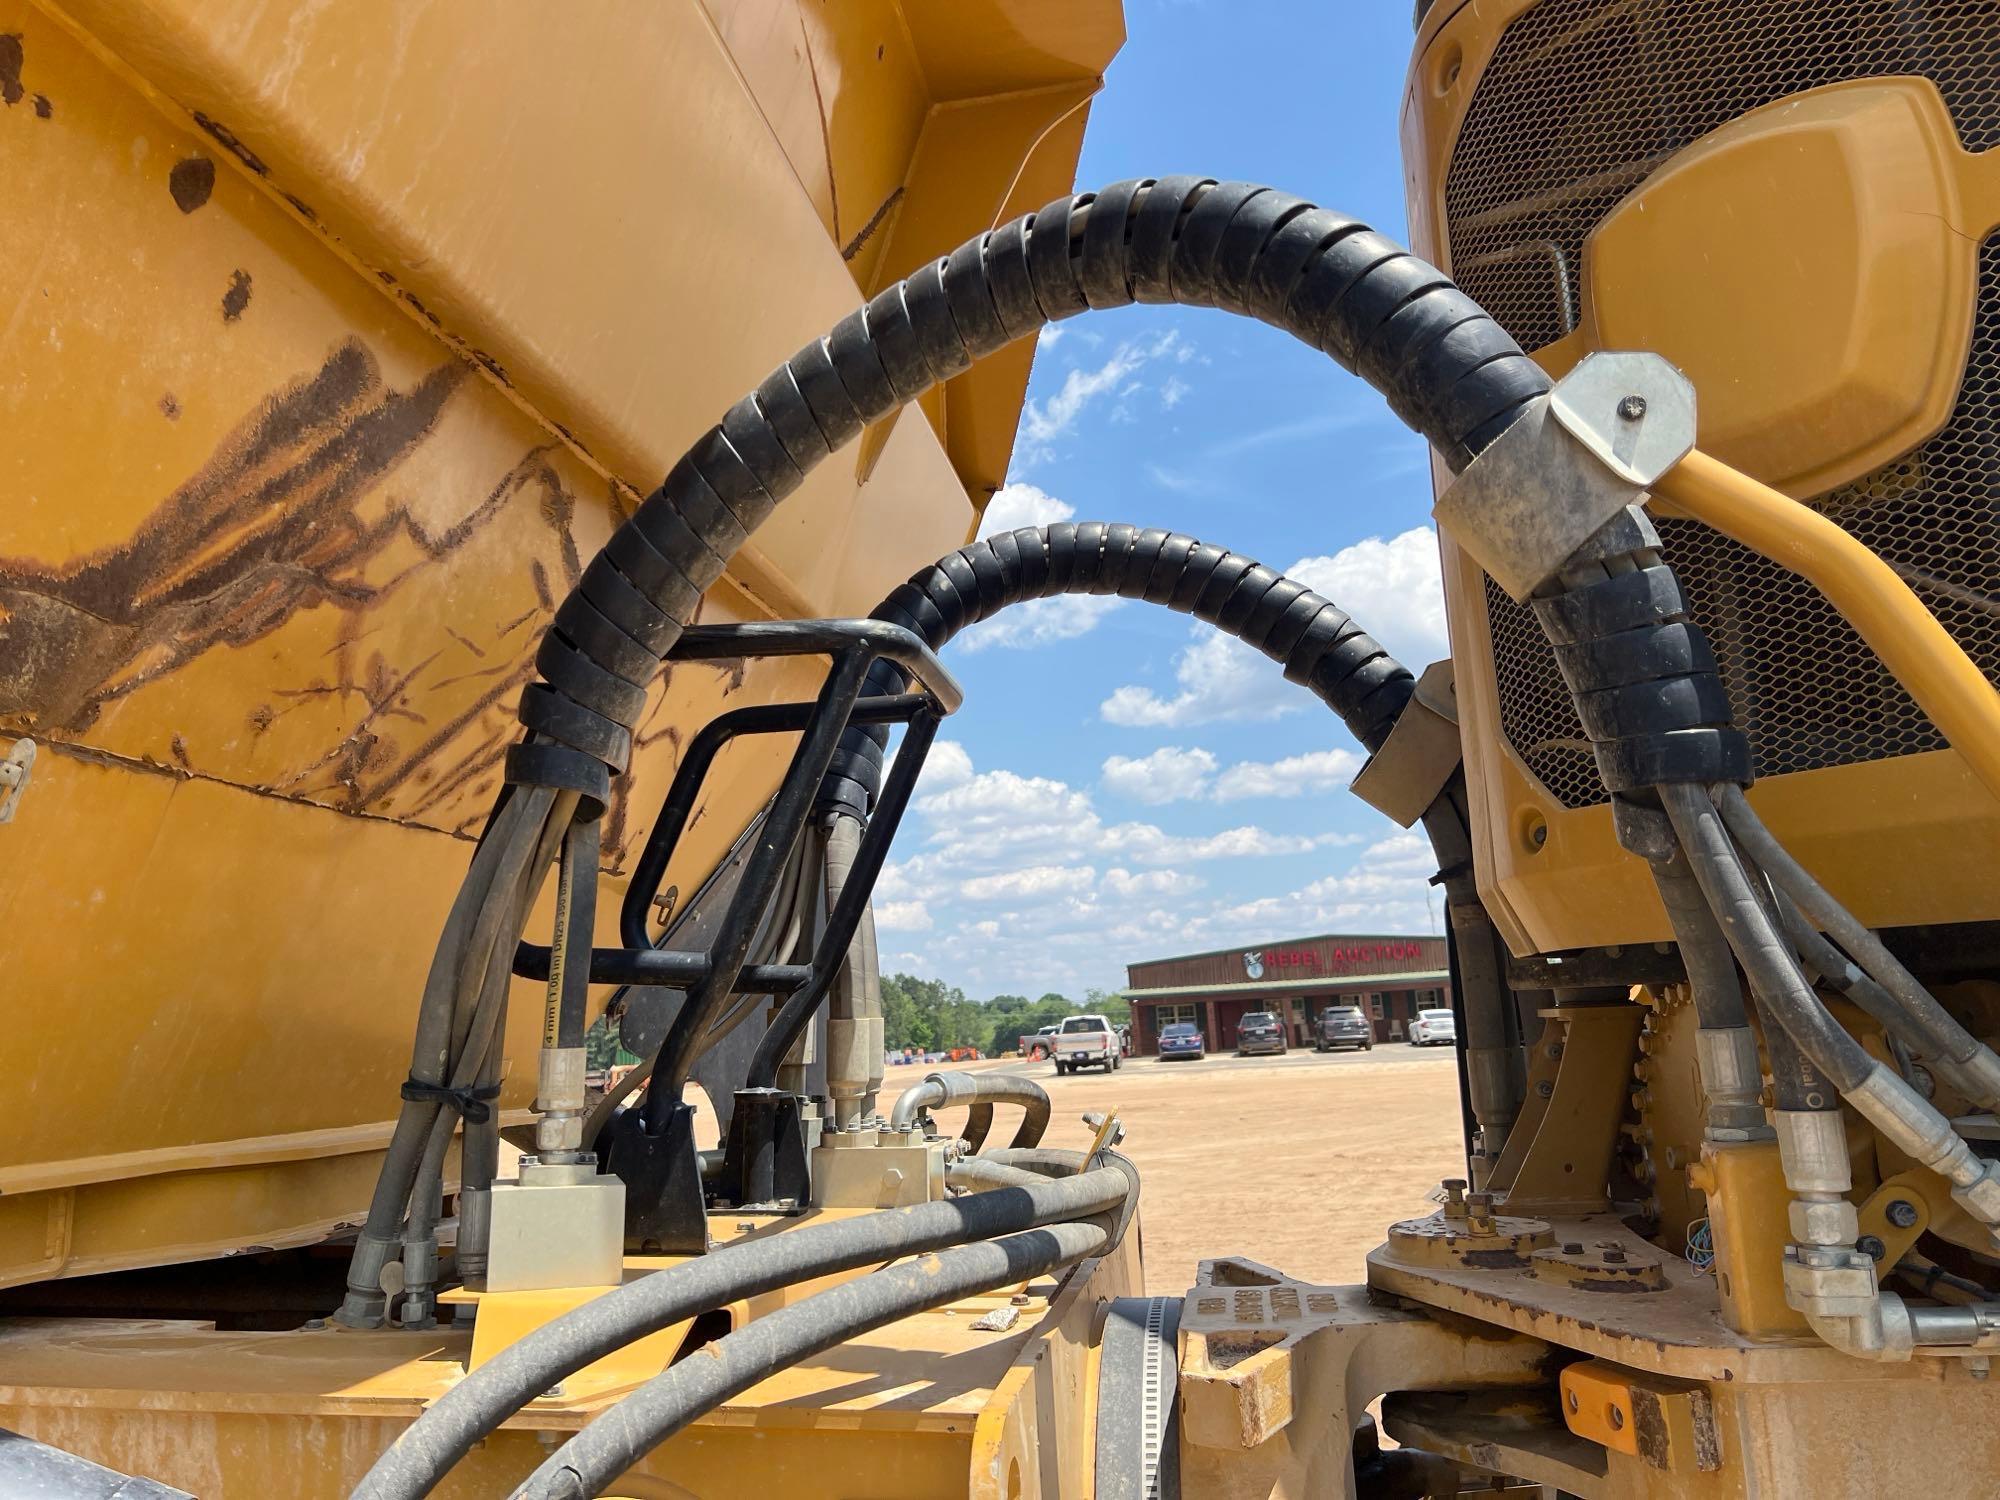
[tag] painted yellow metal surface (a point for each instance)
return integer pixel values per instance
(338, 339)
(929, 1406)
(1552, 877)
(1851, 354)
(1866, 590)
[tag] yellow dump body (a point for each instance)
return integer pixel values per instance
(336, 338)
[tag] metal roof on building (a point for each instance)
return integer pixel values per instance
(1293, 986)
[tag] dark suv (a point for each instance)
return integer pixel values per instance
(1260, 1031)
(1343, 1026)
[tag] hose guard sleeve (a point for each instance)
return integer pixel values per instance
(1445, 367)
(1312, 639)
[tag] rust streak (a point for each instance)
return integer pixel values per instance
(265, 529)
(11, 58)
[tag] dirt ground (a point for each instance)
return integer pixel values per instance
(1299, 1162)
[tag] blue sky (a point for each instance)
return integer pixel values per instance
(1122, 783)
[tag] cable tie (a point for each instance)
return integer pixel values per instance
(470, 1102)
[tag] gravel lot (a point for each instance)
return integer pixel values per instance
(1300, 1162)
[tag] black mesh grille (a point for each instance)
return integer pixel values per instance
(1583, 99)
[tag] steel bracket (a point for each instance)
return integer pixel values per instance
(1415, 763)
(1568, 466)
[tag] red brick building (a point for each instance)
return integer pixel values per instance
(1391, 977)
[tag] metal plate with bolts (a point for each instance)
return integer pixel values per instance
(1634, 411)
(1568, 465)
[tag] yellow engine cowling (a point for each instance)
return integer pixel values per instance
(337, 338)
(1797, 204)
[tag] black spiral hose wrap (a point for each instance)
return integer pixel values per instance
(1314, 640)
(1445, 367)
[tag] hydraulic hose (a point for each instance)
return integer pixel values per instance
(1774, 977)
(638, 1424)
(489, 1395)
(1316, 643)
(1447, 369)
(1957, 1053)
(945, 1089)
(1888, 1103)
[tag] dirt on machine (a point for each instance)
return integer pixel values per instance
(377, 719)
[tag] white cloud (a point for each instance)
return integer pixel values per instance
(999, 855)
(1041, 622)
(1169, 774)
(1016, 505)
(1153, 846)
(902, 916)
(1151, 883)
(1293, 776)
(1392, 589)
(1219, 678)
(1033, 881)
(946, 766)
(1044, 423)
(1174, 392)
(1385, 890)
(1038, 622)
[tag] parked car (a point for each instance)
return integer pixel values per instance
(1036, 1045)
(1260, 1031)
(1343, 1026)
(1086, 1042)
(1182, 1039)
(1433, 1028)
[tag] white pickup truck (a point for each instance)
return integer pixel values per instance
(1085, 1042)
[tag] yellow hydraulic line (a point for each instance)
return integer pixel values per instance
(1881, 607)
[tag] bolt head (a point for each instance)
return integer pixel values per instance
(1871, 1246)
(1614, 1257)
(1572, 1247)
(1902, 1214)
(1544, 1089)
(1632, 408)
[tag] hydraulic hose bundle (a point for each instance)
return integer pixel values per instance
(478, 1404)
(1446, 367)
(1645, 682)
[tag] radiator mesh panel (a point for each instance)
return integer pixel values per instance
(1582, 100)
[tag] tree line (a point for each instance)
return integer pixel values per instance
(926, 1014)
(932, 1016)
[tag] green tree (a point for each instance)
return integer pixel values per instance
(1115, 1008)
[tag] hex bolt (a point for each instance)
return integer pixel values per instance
(1544, 1089)
(1481, 1206)
(1614, 1256)
(1901, 1213)
(1871, 1246)
(1454, 1197)
(1555, 1051)
(1632, 408)
(1572, 1247)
